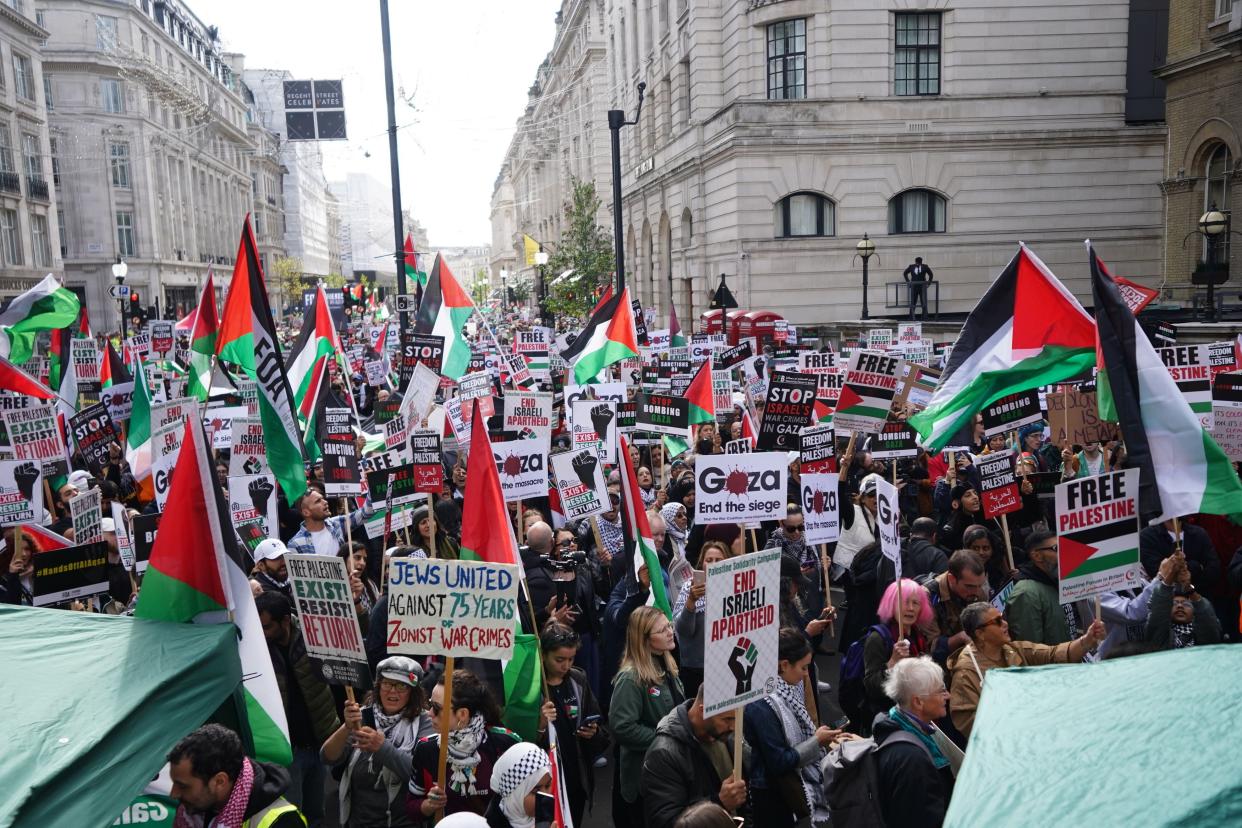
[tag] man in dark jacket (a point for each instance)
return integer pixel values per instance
(690, 761)
(207, 767)
(920, 555)
(962, 584)
(1156, 544)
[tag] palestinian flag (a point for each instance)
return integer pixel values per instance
(203, 334)
(197, 575)
(248, 338)
(308, 357)
(112, 370)
(555, 507)
(675, 337)
(523, 683)
(638, 532)
(19, 382)
(1026, 331)
(562, 816)
(486, 531)
(64, 380)
(443, 312)
(1182, 469)
(45, 307)
(84, 324)
(607, 338)
(699, 394)
(58, 358)
(138, 432)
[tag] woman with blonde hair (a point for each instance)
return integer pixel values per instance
(645, 689)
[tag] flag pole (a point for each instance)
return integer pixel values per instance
(397, 220)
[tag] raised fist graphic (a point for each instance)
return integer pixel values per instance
(26, 475)
(260, 491)
(601, 416)
(584, 466)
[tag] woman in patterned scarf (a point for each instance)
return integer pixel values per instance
(786, 743)
(519, 779)
(476, 741)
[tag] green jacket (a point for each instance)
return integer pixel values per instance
(1034, 614)
(635, 711)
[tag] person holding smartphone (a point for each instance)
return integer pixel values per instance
(522, 789)
(580, 731)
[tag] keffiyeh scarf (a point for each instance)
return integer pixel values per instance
(516, 773)
(1183, 635)
(789, 702)
(233, 814)
(612, 534)
(463, 756)
(683, 596)
(669, 513)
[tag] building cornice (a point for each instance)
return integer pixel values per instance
(1187, 64)
(23, 22)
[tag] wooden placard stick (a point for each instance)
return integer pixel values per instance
(1008, 543)
(446, 719)
(737, 744)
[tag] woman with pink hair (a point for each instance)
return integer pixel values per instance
(907, 629)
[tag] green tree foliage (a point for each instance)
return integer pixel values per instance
(586, 248)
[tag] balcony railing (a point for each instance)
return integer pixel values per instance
(10, 182)
(36, 187)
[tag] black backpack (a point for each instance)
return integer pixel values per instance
(852, 780)
(850, 693)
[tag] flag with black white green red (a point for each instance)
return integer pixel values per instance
(1027, 331)
(444, 311)
(45, 307)
(486, 531)
(1098, 535)
(1182, 469)
(866, 396)
(699, 394)
(676, 339)
(307, 366)
(1189, 366)
(608, 337)
(203, 334)
(197, 574)
(414, 269)
(112, 370)
(21, 383)
(638, 539)
(138, 430)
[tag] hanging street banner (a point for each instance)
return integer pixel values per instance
(664, 414)
(818, 453)
(523, 468)
(789, 405)
(888, 522)
(1000, 493)
(34, 435)
(740, 488)
(248, 454)
(252, 504)
(73, 572)
(86, 515)
(593, 425)
(21, 492)
(894, 441)
(529, 414)
(867, 393)
(743, 625)
(821, 509)
(1097, 535)
(1189, 367)
(1011, 412)
(328, 619)
(580, 483)
(341, 477)
(93, 434)
(451, 608)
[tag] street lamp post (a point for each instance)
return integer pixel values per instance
(1212, 224)
(616, 120)
(866, 249)
(119, 271)
(541, 259)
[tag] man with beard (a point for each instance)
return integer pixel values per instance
(1034, 611)
(269, 567)
(216, 784)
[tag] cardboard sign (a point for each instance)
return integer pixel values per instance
(1079, 423)
(879, 339)
(742, 630)
(161, 335)
(140, 344)
(420, 396)
(755, 377)
(451, 608)
(818, 452)
(377, 372)
(867, 393)
(119, 399)
(663, 414)
(85, 357)
(522, 466)
(341, 477)
(529, 414)
(817, 363)
(13, 402)
(73, 572)
(612, 391)
(165, 449)
(419, 349)
(888, 522)
(722, 393)
(1011, 412)
(1227, 430)
(21, 492)
(1000, 494)
(910, 333)
(403, 483)
(736, 355)
(93, 433)
(176, 411)
(219, 424)
(894, 441)
(144, 529)
(821, 508)
(34, 435)
(742, 446)
(86, 514)
(426, 459)
(740, 488)
(593, 425)
(385, 411)
(1189, 366)
(328, 619)
(252, 504)
(124, 541)
(248, 454)
(580, 483)
(1097, 535)
(789, 405)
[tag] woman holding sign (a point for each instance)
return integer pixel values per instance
(901, 633)
(444, 547)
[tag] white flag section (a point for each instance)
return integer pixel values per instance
(888, 522)
(523, 468)
(821, 509)
(740, 488)
(21, 492)
(451, 608)
(743, 625)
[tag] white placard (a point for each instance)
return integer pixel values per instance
(821, 510)
(451, 608)
(742, 628)
(740, 488)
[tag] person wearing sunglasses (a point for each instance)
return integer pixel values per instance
(990, 646)
(1034, 610)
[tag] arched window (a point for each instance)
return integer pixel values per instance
(1216, 179)
(687, 228)
(805, 214)
(916, 211)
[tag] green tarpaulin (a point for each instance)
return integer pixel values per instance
(94, 703)
(1147, 740)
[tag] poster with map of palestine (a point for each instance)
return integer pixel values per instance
(867, 394)
(1097, 535)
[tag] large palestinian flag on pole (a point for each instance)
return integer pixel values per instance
(308, 358)
(638, 532)
(443, 312)
(608, 337)
(19, 382)
(197, 574)
(486, 531)
(45, 307)
(248, 338)
(203, 336)
(1182, 469)
(412, 269)
(676, 339)
(1026, 331)
(699, 394)
(112, 370)
(138, 433)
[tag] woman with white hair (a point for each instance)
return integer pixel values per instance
(521, 784)
(915, 779)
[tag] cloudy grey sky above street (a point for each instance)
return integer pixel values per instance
(466, 66)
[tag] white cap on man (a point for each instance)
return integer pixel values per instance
(269, 550)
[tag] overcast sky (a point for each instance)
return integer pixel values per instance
(466, 65)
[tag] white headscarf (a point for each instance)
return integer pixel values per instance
(516, 773)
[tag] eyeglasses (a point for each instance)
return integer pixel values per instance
(797, 528)
(435, 708)
(1051, 549)
(567, 544)
(396, 686)
(997, 621)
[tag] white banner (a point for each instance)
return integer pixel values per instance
(593, 424)
(248, 455)
(451, 608)
(523, 468)
(252, 504)
(21, 492)
(888, 522)
(86, 514)
(740, 488)
(742, 630)
(580, 483)
(821, 510)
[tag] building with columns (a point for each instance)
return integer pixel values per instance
(775, 133)
(151, 147)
